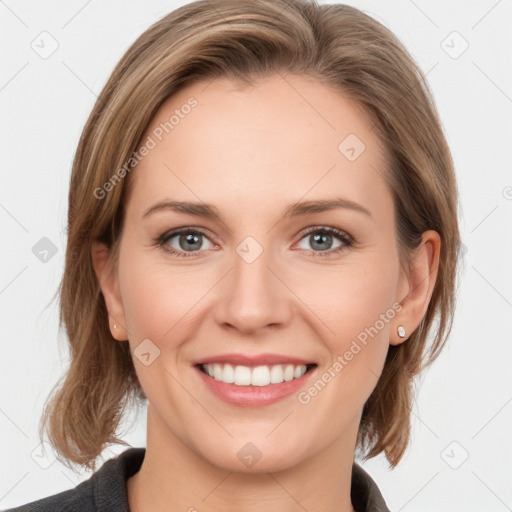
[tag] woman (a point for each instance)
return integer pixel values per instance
(262, 233)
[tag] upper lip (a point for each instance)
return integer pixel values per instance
(255, 360)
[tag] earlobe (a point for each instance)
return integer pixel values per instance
(108, 281)
(421, 279)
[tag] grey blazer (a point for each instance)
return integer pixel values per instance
(105, 490)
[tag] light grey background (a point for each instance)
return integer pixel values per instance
(464, 405)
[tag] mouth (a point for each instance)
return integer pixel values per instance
(254, 380)
(255, 376)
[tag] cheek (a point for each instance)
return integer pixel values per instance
(159, 306)
(157, 301)
(157, 295)
(351, 297)
(142, 302)
(356, 302)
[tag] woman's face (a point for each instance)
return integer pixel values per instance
(317, 286)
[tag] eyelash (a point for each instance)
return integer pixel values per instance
(347, 241)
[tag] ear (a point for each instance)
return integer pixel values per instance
(109, 283)
(417, 285)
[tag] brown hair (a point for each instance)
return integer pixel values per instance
(244, 39)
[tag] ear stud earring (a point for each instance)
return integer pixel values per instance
(401, 331)
(115, 326)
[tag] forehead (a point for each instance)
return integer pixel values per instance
(284, 136)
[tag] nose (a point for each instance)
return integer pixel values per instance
(253, 296)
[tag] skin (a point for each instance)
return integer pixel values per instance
(251, 152)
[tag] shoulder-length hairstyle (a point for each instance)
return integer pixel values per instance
(242, 40)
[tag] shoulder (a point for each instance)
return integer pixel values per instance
(364, 492)
(104, 491)
(81, 498)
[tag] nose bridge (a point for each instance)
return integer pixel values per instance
(252, 296)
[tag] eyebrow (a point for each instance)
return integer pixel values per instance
(294, 210)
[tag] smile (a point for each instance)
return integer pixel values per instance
(260, 376)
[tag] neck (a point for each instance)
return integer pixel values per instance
(175, 477)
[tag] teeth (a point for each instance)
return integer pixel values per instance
(257, 376)
(242, 376)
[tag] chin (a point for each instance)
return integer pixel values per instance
(251, 455)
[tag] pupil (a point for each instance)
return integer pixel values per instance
(191, 239)
(321, 238)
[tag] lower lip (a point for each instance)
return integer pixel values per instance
(253, 396)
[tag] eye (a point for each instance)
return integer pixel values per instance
(183, 242)
(321, 241)
(187, 241)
